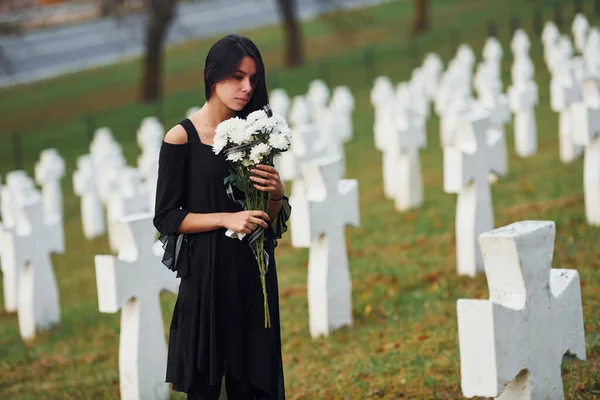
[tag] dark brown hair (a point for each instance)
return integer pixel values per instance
(224, 59)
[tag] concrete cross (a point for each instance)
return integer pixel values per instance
(132, 283)
(27, 249)
(550, 37)
(587, 133)
(84, 186)
(383, 101)
(523, 98)
(591, 52)
(280, 102)
(467, 166)
(333, 203)
(306, 147)
(408, 181)
(580, 29)
(432, 68)
(318, 95)
(48, 173)
(341, 108)
(130, 198)
(513, 344)
(565, 92)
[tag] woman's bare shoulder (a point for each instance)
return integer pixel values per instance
(177, 135)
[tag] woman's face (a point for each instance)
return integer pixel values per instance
(236, 91)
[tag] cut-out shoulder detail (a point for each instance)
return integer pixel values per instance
(177, 135)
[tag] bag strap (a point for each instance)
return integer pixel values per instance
(191, 131)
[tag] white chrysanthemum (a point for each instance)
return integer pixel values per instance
(257, 127)
(233, 129)
(219, 143)
(247, 163)
(280, 125)
(285, 131)
(256, 115)
(258, 152)
(279, 120)
(235, 156)
(279, 141)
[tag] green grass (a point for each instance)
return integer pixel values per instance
(403, 343)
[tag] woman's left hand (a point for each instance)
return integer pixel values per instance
(267, 179)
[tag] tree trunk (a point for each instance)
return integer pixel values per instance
(294, 51)
(420, 17)
(161, 14)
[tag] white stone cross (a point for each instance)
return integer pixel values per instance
(417, 88)
(317, 96)
(132, 282)
(191, 111)
(492, 55)
(299, 117)
(150, 138)
(383, 101)
(565, 92)
(306, 146)
(84, 186)
(102, 139)
(495, 102)
(408, 180)
(520, 44)
(591, 52)
(280, 102)
(513, 344)
(461, 70)
(130, 198)
(461, 104)
(550, 33)
(335, 126)
(467, 166)
(432, 69)
(488, 71)
(550, 37)
(587, 133)
(466, 57)
(48, 173)
(522, 99)
(391, 149)
(580, 30)
(16, 181)
(150, 133)
(492, 50)
(340, 110)
(27, 248)
(108, 161)
(333, 203)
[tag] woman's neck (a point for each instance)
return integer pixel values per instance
(214, 112)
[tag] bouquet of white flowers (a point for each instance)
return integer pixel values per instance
(247, 143)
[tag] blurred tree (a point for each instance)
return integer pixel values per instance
(8, 29)
(160, 15)
(420, 22)
(294, 50)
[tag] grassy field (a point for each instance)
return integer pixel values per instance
(404, 340)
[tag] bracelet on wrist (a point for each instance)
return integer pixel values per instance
(279, 199)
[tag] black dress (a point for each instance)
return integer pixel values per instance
(217, 327)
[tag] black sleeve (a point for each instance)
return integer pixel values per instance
(279, 225)
(170, 188)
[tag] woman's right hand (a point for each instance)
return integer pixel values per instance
(246, 221)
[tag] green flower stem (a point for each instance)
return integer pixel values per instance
(255, 200)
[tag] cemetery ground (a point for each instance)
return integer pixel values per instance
(404, 340)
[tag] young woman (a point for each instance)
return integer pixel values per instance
(218, 326)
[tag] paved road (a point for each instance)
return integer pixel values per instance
(52, 52)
